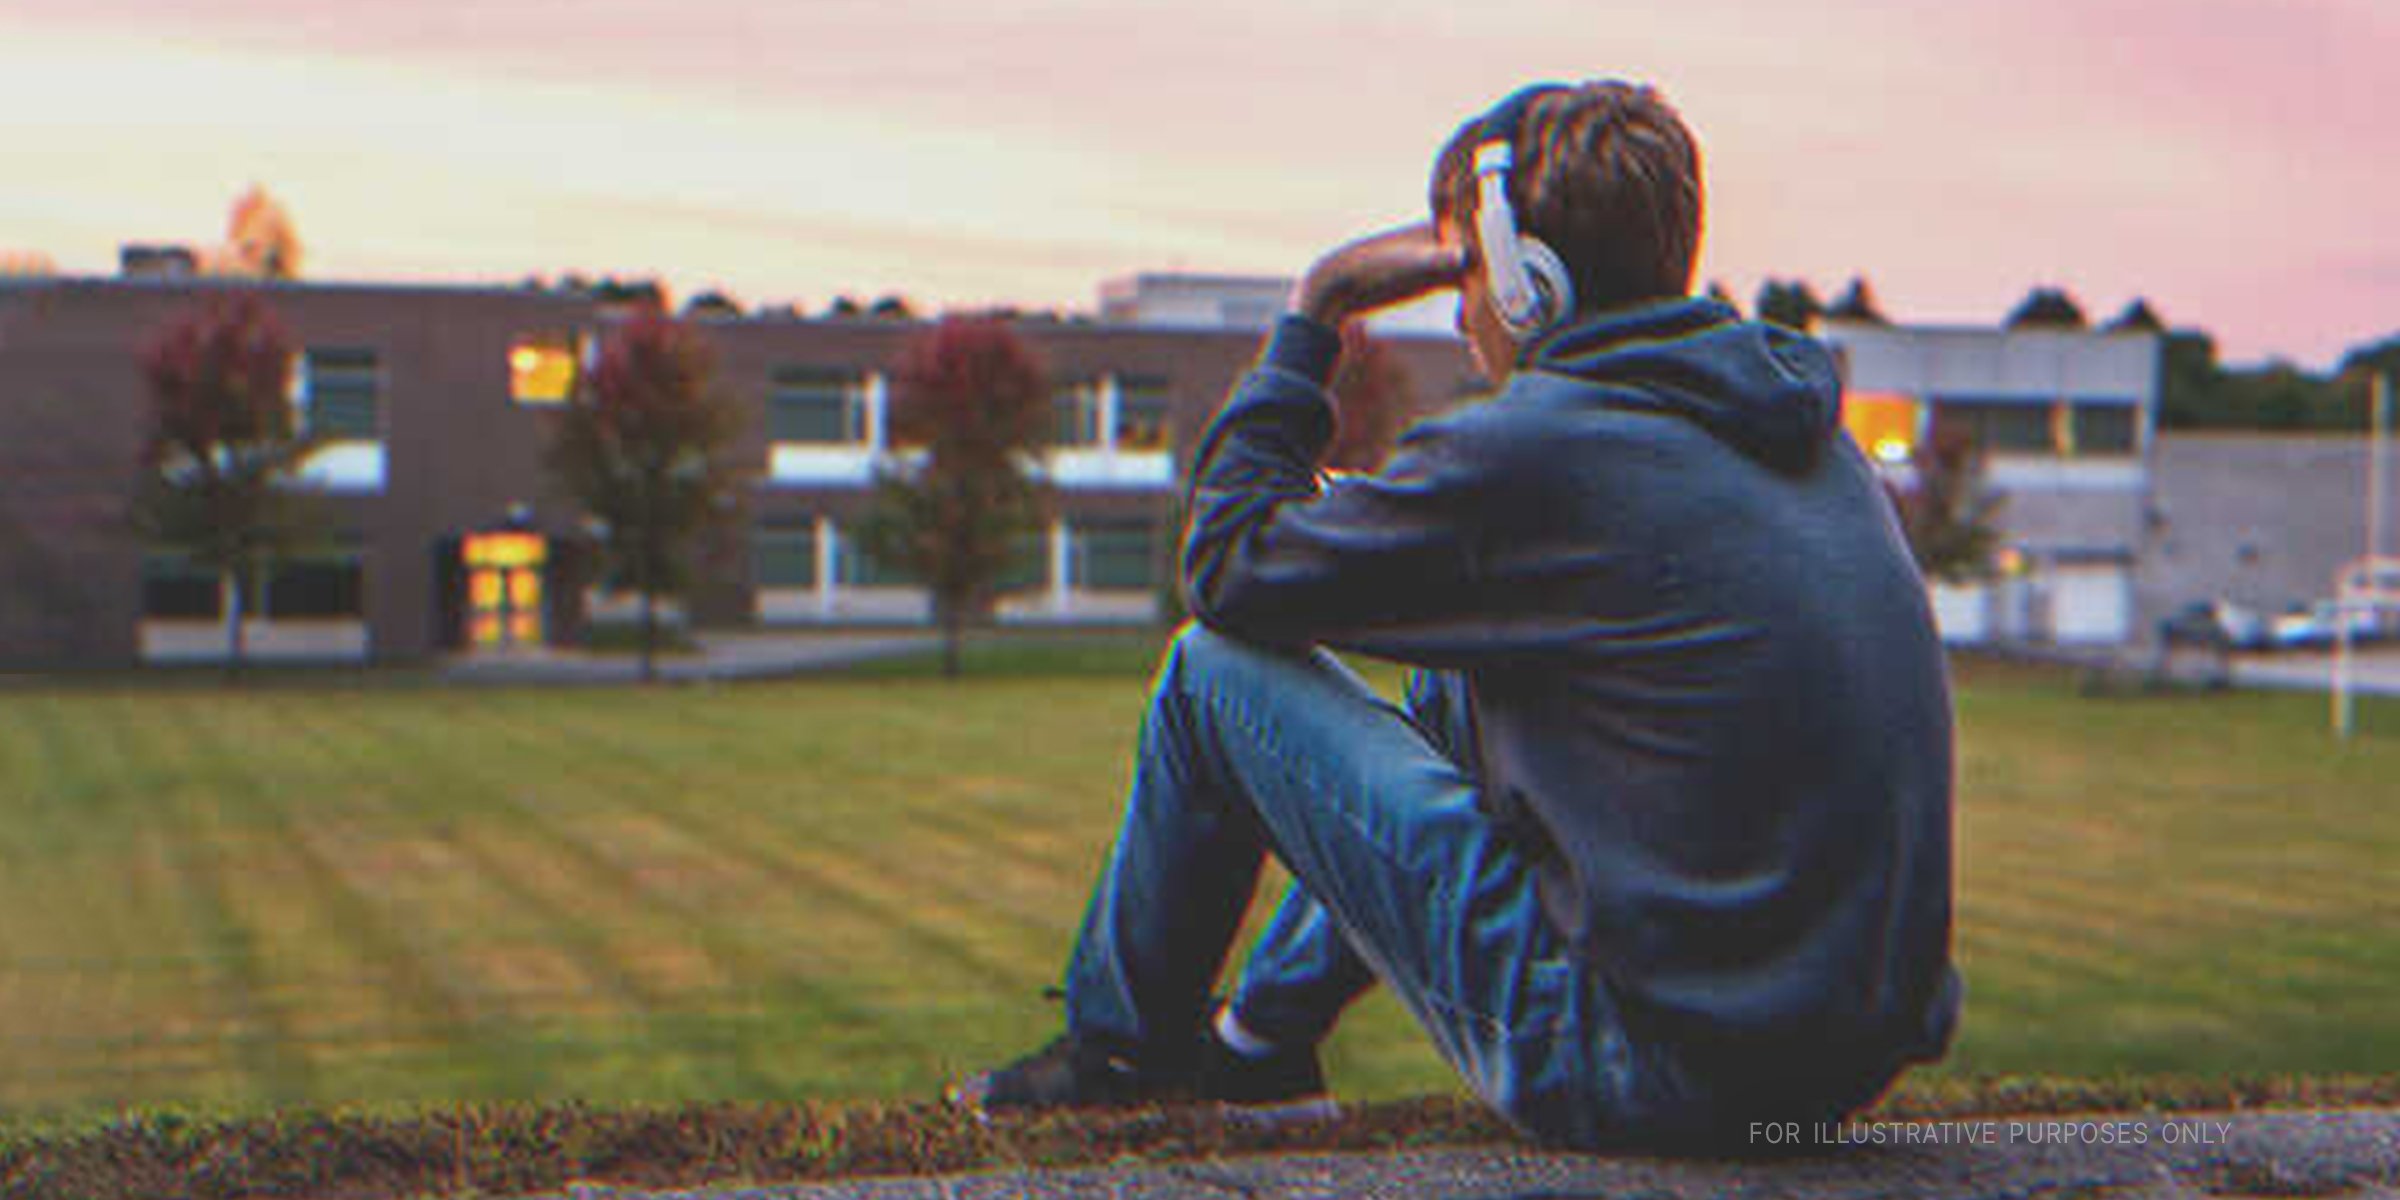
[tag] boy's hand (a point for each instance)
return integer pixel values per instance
(1375, 272)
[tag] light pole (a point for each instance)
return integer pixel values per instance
(2370, 566)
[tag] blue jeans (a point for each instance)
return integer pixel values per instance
(1398, 876)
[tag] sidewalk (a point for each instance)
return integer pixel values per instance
(2186, 1156)
(722, 656)
(2374, 672)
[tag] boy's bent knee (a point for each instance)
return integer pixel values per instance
(1197, 647)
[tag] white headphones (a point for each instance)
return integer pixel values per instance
(1530, 286)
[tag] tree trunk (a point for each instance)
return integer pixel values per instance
(237, 638)
(649, 634)
(953, 631)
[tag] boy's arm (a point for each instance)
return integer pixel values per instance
(1386, 562)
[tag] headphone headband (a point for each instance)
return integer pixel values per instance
(1530, 286)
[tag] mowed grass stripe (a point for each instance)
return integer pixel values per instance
(2150, 884)
(550, 896)
(61, 964)
(75, 903)
(858, 874)
(853, 887)
(396, 947)
(530, 931)
(777, 970)
(597, 900)
(2096, 913)
(254, 1027)
(964, 783)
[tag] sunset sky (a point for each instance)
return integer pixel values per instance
(2236, 161)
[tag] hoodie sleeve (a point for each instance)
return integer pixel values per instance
(1275, 553)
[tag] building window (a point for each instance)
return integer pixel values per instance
(857, 568)
(176, 588)
(2104, 431)
(1112, 555)
(1999, 428)
(1884, 425)
(1028, 564)
(1075, 414)
(1141, 413)
(337, 394)
(542, 369)
(326, 585)
(785, 556)
(817, 404)
(329, 586)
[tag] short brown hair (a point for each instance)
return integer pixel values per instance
(1606, 174)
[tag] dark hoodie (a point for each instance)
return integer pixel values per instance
(1703, 682)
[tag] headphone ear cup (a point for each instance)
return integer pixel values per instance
(1553, 288)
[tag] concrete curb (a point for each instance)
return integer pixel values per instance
(2186, 1156)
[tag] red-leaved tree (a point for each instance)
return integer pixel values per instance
(973, 396)
(223, 447)
(642, 447)
(1950, 516)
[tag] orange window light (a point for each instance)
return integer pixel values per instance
(541, 371)
(1883, 423)
(505, 550)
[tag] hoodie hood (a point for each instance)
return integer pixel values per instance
(1768, 391)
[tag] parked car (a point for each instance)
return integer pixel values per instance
(2219, 624)
(2318, 625)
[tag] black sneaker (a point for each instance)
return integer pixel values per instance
(1285, 1087)
(1070, 1072)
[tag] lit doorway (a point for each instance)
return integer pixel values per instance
(504, 588)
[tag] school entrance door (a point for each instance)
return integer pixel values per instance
(503, 573)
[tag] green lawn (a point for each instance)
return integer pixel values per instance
(322, 891)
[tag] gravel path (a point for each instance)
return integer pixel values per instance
(2186, 1157)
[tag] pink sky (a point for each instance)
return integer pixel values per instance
(2235, 161)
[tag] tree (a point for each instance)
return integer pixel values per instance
(712, 305)
(224, 446)
(970, 392)
(26, 264)
(1374, 401)
(641, 446)
(1857, 303)
(635, 296)
(1718, 292)
(2137, 317)
(260, 238)
(2187, 380)
(1950, 516)
(2047, 308)
(1790, 303)
(2378, 357)
(2197, 392)
(892, 308)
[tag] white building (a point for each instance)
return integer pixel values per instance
(1183, 300)
(2067, 420)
